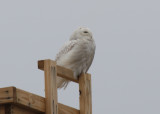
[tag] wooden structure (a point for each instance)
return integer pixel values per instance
(16, 101)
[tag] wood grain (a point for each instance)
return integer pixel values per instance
(63, 109)
(50, 87)
(6, 95)
(20, 100)
(66, 73)
(19, 110)
(30, 100)
(61, 71)
(85, 94)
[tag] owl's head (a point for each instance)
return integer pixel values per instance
(81, 33)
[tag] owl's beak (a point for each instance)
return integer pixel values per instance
(85, 31)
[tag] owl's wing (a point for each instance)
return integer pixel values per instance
(66, 48)
(90, 61)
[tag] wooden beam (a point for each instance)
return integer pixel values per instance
(41, 64)
(85, 94)
(63, 109)
(61, 71)
(6, 95)
(23, 98)
(50, 87)
(29, 101)
(66, 73)
(15, 109)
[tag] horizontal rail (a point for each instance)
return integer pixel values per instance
(63, 109)
(61, 71)
(28, 100)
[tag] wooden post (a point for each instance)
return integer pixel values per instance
(84, 81)
(85, 94)
(50, 71)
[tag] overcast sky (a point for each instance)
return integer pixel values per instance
(126, 68)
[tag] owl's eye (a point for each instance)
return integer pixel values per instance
(85, 31)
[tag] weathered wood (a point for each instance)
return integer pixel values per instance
(20, 97)
(41, 64)
(62, 109)
(2, 109)
(85, 94)
(19, 110)
(6, 95)
(50, 87)
(16, 109)
(66, 73)
(30, 100)
(61, 71)
(15, 101)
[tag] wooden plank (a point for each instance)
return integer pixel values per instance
(41, 64)
(66, 73)
(61, 71)
(85, 94)
(6, 95)
(50, 87)
(30, 100)
(19, 110)
(2, 109)
(20, 97)
(63, 109)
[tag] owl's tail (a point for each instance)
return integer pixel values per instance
(62, 83)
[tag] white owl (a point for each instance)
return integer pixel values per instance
(77, 54)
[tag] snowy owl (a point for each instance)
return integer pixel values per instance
(77, 54)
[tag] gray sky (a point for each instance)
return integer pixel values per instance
(126, 68)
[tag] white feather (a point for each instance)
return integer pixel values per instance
(77, 54)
